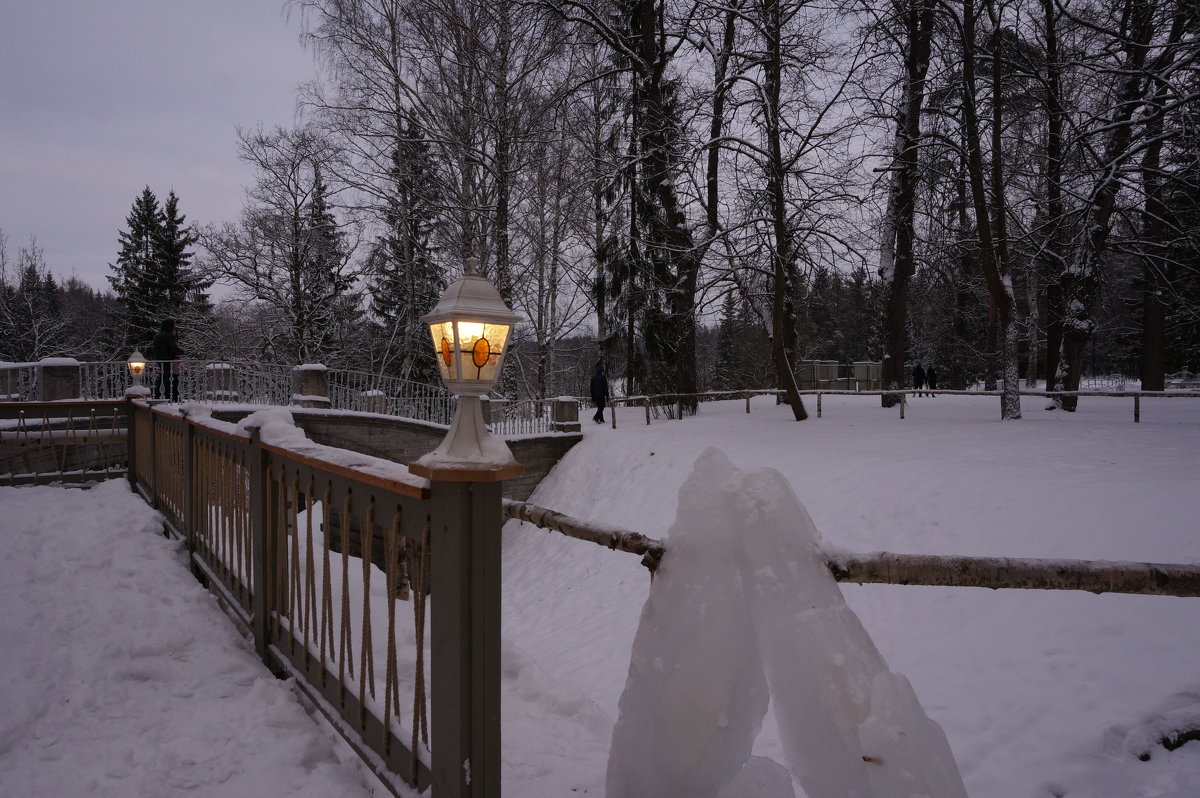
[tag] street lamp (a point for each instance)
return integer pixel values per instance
(137, 367)
(470, 328)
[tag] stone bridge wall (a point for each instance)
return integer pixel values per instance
(402, 441)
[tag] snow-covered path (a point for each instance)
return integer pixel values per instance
(120, 676)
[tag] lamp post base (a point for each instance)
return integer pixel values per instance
(469, 452)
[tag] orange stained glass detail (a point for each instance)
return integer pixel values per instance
(446, 350)
(481, 352)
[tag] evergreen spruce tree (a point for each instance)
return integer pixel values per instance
(183, 289)
(137, 316)
(325, 301)
(407, 281)
(153, 278)
(725, 369)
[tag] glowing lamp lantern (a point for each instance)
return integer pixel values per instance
(470, 328)
(137, 366)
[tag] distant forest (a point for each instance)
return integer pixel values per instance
(697, 195)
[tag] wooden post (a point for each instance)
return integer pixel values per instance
(261, 570)
(646, 404)
(612, 410)
(465, 694)
(747, 404)
(679, 406)
(902, 396)
(818, 404)
(1137, 408)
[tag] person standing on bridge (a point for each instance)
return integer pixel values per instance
(166, 351)
(599, 393)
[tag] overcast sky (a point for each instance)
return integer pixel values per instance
(99, 98)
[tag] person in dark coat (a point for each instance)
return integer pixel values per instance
(931, 379)
(165, 350)
(599, 393)
(918, 379)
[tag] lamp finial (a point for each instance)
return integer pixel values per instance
(472, 265)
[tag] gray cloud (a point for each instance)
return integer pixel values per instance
(99, 98)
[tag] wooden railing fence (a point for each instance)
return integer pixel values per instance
(63, 441)
(331, 569)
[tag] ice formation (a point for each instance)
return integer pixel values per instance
(696, 695)
(744, 592)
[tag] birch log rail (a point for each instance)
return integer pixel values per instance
(610, 537)
(1013, 573)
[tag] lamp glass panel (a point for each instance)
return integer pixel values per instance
(443, 347)
(479, 360)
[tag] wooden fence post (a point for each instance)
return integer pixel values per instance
(1137, 408)
(818, 404)
(465, 694)
(902, 396)
(747, 404)
(646, 404)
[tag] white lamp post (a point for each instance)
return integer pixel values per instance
(470, 328)
(137, 367)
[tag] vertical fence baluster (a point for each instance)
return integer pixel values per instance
(260, 502)
(345, 641)
(326, 634)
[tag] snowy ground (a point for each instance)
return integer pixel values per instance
(120, 677)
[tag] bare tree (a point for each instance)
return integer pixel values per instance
(287, 252)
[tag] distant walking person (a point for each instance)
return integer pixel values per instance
(931, 379)
(599, 393)
(166, 351)
(919, 379)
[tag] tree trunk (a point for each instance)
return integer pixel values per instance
(990, 221)
(896, 259)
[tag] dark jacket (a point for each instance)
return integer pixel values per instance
(918, 377)
(599, 386)
(165, 346)
(931, 377)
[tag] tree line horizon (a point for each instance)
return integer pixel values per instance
(696, 195)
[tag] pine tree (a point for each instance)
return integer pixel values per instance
(183, 288)
(153, 278)
(325, 300)
(137, 316)
(407, 281)
(725, 369)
